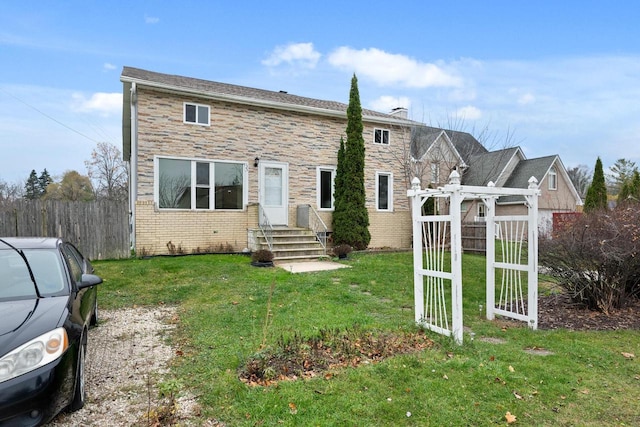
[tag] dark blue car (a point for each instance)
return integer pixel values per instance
(48, 300)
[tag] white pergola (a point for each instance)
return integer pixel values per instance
(437, 256)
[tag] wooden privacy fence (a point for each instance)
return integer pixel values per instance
(100, 229)
(474, 237)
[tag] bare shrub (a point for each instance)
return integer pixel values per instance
(596, 258)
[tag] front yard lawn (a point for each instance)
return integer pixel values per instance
(232, 314)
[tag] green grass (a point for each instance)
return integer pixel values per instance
(223, 304)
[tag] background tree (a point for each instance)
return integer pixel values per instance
(32, 186)
(596, 198)
(580, 176)
(107, 171)
(10, 192)
(350, 216)
(73, 187)
(43, 182)
(630, 191)
(621, 172)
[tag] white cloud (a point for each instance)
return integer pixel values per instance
(392, 69)
(469, 113)
(387, 103)
(526, 98)
(298, 54)
(103, 103)
(108, 67)
(151, 19)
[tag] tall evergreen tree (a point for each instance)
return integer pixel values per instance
(596, 198)
(350, 216)
(32, 186)
(43, 181)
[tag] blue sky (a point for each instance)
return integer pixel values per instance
(555, 77)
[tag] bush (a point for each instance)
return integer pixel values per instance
(596, 258)
(341, 250)
(262, 255)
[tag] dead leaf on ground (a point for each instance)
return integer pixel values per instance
(511, 369)
(510, 418)
(292, 408)
(515, 393)
(628, 355)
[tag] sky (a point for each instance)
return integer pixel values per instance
(553, 77)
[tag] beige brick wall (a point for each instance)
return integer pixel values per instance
(242, 133)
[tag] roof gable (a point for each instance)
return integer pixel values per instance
(462, 143)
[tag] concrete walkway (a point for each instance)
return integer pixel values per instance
(310, 266)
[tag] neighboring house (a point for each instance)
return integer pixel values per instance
(443, 151)
(209, 162)
(208, 159)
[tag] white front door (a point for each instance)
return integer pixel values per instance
(274, 192)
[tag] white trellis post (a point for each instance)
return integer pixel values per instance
(532, 279)
(490, 231)
(455, 200)
(418, 287)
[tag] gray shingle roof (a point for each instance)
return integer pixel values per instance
(523, 172)
(240, 93)
(423, 136)
(487, 166)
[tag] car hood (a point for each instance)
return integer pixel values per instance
(23, 320)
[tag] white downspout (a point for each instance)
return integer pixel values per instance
(133, 166)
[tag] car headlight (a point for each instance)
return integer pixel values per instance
(36, 353)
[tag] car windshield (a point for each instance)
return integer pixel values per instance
(15, 282)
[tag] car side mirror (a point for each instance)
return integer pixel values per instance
(89, 280)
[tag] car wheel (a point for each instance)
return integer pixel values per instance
(94, 318)
(79, 394)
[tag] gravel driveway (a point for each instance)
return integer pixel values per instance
(127, 356)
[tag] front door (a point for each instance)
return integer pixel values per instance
(274, 192)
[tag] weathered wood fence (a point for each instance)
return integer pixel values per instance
(99, 229)
(474, 237)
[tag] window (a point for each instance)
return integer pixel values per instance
(482, 210)
(195, 113)
(435, 173)
(553, 179)
(193, 184)
(325, 179)
(381, 136)
(384, 191)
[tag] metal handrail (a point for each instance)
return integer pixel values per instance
(319, 228)
(265, 226)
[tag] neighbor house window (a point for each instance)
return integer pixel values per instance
(553, 179)
(195, 184)
(435, 172)
(325, 178)
(384, 191)
(381, 136)
(196, 113)
(482, 210)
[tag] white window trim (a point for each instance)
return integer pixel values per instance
(320, 169)
(390, 191)
(552, 173)
(156, 183)
(382, 130)
(184, 114)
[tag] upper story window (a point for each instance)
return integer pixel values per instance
(435, 172)
(553, 179)
(384, 191)
(196, 113)
(194, 184)
(325, 179)
(381, 136)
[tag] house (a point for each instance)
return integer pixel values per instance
(443, 151)
(215, 166)
(212, 163)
